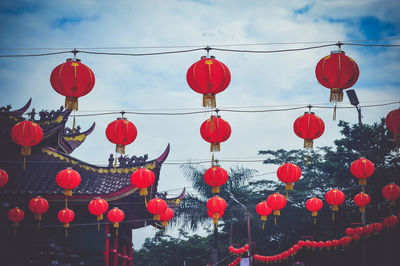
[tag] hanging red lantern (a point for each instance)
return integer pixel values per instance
(215, 177)
(166, 216)
(216, 205)
(68, 179)
(334, 197)
(337, 72)
(391, 192)
(208, 76)
(263, 210)
(211, 215)
(115, 215)
(98, 207)
(121, 132)
(156, 207)
(362, 169)
(215, 130)
(362, 200)
(142, 178)
(377, 227)
(15, 215)
(26, 134)
(3, 178)
(289, 173)
(66, 216)
(314, 205)
(72, 79)
(276, 202)
(38, 206)
(309, 127)
(393, 124)
(349, 231)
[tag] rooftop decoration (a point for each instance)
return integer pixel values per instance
(208, 76)
(215, 130)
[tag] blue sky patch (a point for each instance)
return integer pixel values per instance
(302, 10)
(373, 28)
(65, 21)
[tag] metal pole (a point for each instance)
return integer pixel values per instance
(249, 236)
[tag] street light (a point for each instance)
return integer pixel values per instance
(351, 94)
(248, 224)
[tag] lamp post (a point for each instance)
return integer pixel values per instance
(248, 225)
(351, 94)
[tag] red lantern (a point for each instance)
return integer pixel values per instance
(166, 216)
(314, 205)
(393, 124)
(391, 192)
(156, 207)
(215, 130)
(115, 215)
(208, 77)
(3, 178)
(276, 202)
(68, 179)
(334, 197)
(335, 243)
(362, 169)
(215, 177)
(349, 231)
(142, 178)
(98, 207)
(308, 127)
(26, 134)
(263, 210)
(72, 79)
(289, 173)
(216, 205)
(359, 230)
(15, 215)
(362, 200)
(121, 132)
(337, 72)
(378, 227)
(211, 215)
(66, 216)
(38, 206)
(328, 244)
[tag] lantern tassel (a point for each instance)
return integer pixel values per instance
(334, 113)
(145, 201)
(263, 226)
(315, 220)
(115, 162)
(98, 226)
(215, 147)
(333, 216)
(71, 103)
(308, 158)
(24, 166)
(275, 220)
(73, 124)
(209, 101)
(116, 232)
(287, 194)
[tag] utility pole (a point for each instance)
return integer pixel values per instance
(250, 252)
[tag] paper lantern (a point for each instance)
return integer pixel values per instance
(121, 132)
(393, 124)
(308, 127)
(276, 202)
(263, 210)
(142, 178)
(212, 215)
(215, 177)
(98, 207)
(337, 72)
(216, 205)
(26, 134)
(349, 231)
(288, 173)
(115, 216)
(362, 169)
(72, 79)
(391, 192)
(15, 215)
(3, 178)
(66, 216)
(68, 179)
(38, 206)
(208, 77)
(334, 197)
(362, 200)
(215, 130)
(314, 205)
(166, 216)
(156, 207)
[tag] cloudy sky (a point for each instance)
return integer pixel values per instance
(158, 83)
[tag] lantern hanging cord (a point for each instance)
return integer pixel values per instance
(207, 48)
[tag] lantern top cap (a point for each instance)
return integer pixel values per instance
(73, 60)
(308, 112)
(338, 52)
(204, 57)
